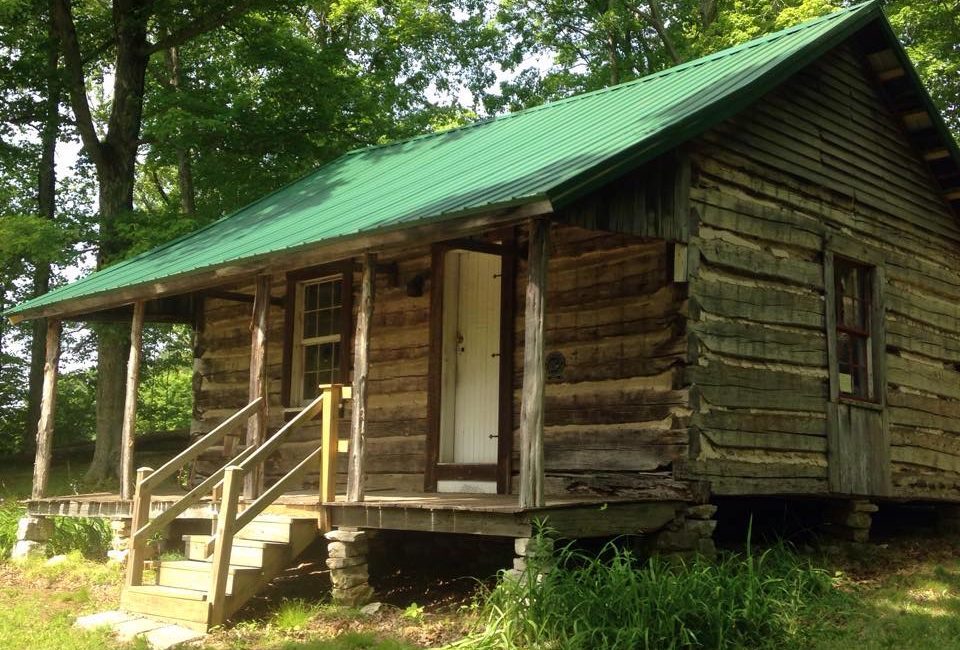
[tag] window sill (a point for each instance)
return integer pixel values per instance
(853, 401)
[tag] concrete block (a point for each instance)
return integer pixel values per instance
(533, 546)
(34, 529)
(26, 549)
(347, 535)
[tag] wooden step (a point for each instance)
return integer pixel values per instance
(185, 607)
(272, 528)
(194, 575)
(246, 552)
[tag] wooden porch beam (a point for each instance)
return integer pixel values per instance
(130, 402)
(358, 414)
(257, 428)
(41, 465)
(531, 405)
(296, 258)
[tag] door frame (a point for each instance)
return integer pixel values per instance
(502, 470)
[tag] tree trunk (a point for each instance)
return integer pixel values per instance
(113, 345)
(46, 207)
(188, 201)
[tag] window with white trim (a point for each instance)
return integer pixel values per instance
(317, 337)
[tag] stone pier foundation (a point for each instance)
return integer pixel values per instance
(689, 534)
(33, 533)
(119, 539)
(851, 520)
(534, 553)
(347, 552)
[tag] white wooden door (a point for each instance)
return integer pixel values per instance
(469, 416)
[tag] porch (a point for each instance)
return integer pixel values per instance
(475, 514)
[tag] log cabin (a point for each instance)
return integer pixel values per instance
(736, 277)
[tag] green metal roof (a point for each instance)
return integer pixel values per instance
(556, 151)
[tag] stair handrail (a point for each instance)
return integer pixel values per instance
(147, 479)
(232, 520)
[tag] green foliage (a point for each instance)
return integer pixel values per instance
(931, 33)
(88, 536)
(10, 513)
(614, 601)
(21, 627)
(74, 420)
(293, 614)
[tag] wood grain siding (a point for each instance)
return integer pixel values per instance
(615, 347)
(396, 407)
(819, 163)
(615, 417)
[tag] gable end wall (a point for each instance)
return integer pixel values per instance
(820, 159)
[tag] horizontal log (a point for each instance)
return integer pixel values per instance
(770, 441)
(762, 304)
(731, 386)
(761, 263)
(745, 340)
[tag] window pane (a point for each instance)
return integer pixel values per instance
(335, 374)
(325, 362)
(337, 298)
(310, 358)
(324, 294)
(310, 325)
(324, 323)
(310, 297)
(861, 375)
(843, 363)
(310, 386)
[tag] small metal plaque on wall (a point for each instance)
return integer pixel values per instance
(556, 364)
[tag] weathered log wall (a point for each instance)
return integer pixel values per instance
(615, 414)
(822, 158)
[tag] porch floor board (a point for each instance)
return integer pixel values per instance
(477, 514)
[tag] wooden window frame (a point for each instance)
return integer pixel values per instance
(859, 336)
(852, 255)
(296, 279)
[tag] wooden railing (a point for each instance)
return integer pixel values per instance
(142, 529)
(231, 518)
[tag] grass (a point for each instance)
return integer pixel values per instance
(294, 614)
(765, 600)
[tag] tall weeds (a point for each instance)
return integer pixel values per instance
(614, 601)
(90, 536)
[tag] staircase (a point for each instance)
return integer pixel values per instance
(261, 550)
(249, 548)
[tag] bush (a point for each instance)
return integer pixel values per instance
(89, 536)
(614, 601)
(10, 513)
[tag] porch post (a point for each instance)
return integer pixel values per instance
(531, 405)
(48, 401)
(130, 403)
(358, 414)
(256, 430)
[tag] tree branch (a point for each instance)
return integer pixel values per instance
(201, 25)
(654, 20)
(76, 83)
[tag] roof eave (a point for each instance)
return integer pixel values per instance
(396, 236)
